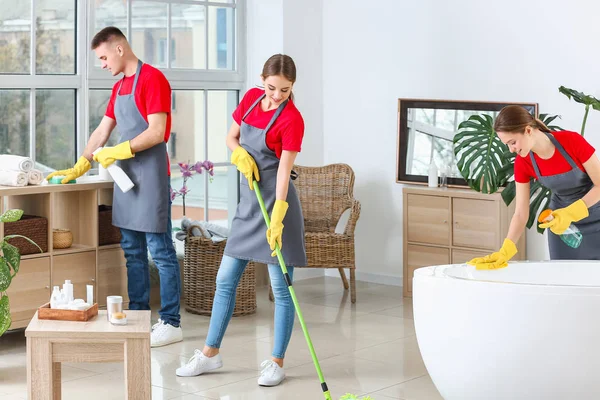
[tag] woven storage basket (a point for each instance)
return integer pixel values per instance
(31, 226)
(200, 265)
(107, 232)
(62, 238)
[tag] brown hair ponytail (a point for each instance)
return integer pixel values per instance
(514, 119)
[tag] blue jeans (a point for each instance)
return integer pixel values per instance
(136, 245)
(228, 277)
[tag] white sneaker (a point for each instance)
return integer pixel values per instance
(199, 364)
(271, 375)
(164, 334)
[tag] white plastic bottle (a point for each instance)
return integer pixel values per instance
(68, 289)
(90, 294)
(55, 297)
(433, 174)
(118, 175)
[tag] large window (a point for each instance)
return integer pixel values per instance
(53, 93)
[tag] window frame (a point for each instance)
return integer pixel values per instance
(87, 76)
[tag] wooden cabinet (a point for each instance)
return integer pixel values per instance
(112, 275)
(74, 207)
(29, 289)
(452, 226)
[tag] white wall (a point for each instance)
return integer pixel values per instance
(293, 28)
(375, 53)
(303, 41)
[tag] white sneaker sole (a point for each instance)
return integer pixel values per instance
(160, 344)
(269, 384)
(188, 374)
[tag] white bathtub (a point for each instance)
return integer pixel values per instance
(528, 331)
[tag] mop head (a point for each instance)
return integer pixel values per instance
(349, 396)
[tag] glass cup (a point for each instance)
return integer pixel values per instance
(114, 304)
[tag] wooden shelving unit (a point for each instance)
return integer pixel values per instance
(74, 207)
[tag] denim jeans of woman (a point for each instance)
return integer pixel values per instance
(228, 277)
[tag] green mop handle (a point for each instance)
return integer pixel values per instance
(293, 294)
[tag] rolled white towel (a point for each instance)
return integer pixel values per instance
(13, 178)
(35, 177)
(9, 162)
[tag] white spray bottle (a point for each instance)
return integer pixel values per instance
(118, 175)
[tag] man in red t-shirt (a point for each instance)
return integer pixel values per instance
(140, 104)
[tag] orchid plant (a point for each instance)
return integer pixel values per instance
(188, 171)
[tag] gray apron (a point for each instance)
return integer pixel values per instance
(567, 188)
(145, 207)
(248, 239)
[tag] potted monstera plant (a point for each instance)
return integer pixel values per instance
(487, 164)
(9, 266)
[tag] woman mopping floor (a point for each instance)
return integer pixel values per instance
(265, 137)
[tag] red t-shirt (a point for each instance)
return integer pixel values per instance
(287, 131)
(152, 95)
(574, 144)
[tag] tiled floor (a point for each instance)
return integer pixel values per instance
(365, 348)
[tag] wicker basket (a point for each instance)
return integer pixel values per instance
(62, 238)
(200, 265)
(31, 226)
(107, 232)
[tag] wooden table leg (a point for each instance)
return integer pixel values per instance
(43, 376)
(56, 377)
(138, 385)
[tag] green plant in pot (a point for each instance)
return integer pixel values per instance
(9, 266)
(487, 164)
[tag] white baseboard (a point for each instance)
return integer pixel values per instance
(369, 277)
(307, 273)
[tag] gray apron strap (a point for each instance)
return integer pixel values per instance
(135, 80)
(253, 105)
(279, 110)
(560, 148)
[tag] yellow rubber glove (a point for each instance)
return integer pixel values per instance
(109, 155)
(275, 232)
(498, 259)
(245, 164)
(563, 217)
(81, 167)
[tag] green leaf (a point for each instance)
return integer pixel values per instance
(539, 199)
(12, 255)
(8, 237)
(509, 192)
(480, 154)
(11, 215)
(547, 119)
(580, 97)
(5, 277)
(5, 320)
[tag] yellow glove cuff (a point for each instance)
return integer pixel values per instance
(578, 210)
(509, 249)
(124, 150)
(83, 163)
(279, 210)
(238, 154)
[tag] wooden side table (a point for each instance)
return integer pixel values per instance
(49, 343)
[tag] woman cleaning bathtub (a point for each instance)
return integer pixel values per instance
(565, 163)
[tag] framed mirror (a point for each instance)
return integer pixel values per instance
(426, 130)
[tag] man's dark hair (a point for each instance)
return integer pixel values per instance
(106, 35)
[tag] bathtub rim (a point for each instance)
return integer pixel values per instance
(439, 272)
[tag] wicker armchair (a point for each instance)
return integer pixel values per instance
(325, 193)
